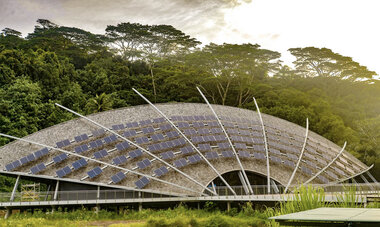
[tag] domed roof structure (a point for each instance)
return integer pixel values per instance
(143, 151)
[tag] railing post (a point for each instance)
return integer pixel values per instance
(56, 191)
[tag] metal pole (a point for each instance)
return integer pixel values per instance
(100, 162)
(15, 189)
(134, 144)
(265, 144)
(56, 191)
(229, 141)
(299, 158)
(187, 139)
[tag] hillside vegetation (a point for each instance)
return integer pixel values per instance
(91, 73)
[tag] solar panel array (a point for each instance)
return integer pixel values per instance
(96, 144)
(118, 127)
(81, 138)
(122, 146)
(211, 155)
(98, 132)
(129, 133)
(187, 150)
(24, 160)
(228, 154)
(244, 154)
(110, 139)
(81, 148)
(167, 155)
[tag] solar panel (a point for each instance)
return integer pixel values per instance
(94, 172)
(211, 155)
(144, 163)
(232, 131)
(145, 122)
(118, 177)
(204, 147)
(292, 156)
(183, 125)
(165, 127)
(212, 124)
(186, 150)
(306, 170)
(274, 151)
(228, 125)
(194, 158)
(147, 130)
(159, 120)
(198, 124)
(110, 139)
(122, 146)
(9, 167)
(167, 155)
(240, 145)
(66, 170)
(227, 154)
(223, 145)
(93, 144)
(120, 160)
(59, 158)
(180, 163)
(258, 155)
(63, 143)
(323, 179)
(132, 125)
(289, 163)
(172, 134)
(60, 173)
(130, 133)
(203, 131)
(78, 164)
(23, 160)
(157, 137)
(16, 163)
(45, 151)
(118, 127)
(142, 140)
(275, 159)
(38, 168)
(142, 182)
(100, 154)
(81, 138)
(244, 154)
(31, 157)
(98, 132)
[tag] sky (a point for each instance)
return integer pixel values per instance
(348, 27)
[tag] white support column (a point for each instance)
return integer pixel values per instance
(104, 163)
(372, 178)
(265, 144)
(229, 141)
(213, 187)
(98, 193)
(274, 186)
(328, 165)
(14, 191)
(300, 157)
(241, 177)
(136, 145)
(56, 191)
(187, 139)
(354, 175)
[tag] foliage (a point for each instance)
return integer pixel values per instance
(90, 73)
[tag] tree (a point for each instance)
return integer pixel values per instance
(232, 63)
(99, 103)
(150, 43)
(10, 32)
(324, 62)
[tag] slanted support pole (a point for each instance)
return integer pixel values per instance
(265, 144)
(366, 181)
(8, 213)
(274, 186)
(56, 191)
(241, 177)
(15, 189)
(299, 158)
(98, 193)
(372, 178)
(228, 206)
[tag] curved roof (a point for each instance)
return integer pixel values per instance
(110, 156)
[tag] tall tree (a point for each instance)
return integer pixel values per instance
(232, 63)
(324, 62)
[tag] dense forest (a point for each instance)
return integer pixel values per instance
(91, 73)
